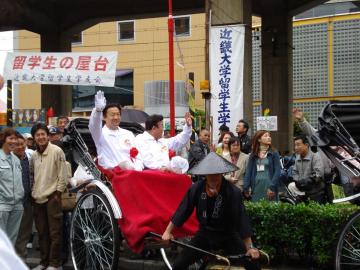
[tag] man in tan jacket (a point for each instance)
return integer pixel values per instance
(49, 171)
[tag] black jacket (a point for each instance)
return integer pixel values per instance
(245, 143)
(197, 152)
(223, 213)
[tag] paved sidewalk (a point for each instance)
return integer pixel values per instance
(127, 261)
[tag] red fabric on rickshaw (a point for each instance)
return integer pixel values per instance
(147, 200)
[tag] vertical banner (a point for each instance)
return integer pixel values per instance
(226, 75)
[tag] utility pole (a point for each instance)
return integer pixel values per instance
(207, 95)
(9, 111)
(171, 70)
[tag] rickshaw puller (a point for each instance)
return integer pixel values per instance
(220, 211)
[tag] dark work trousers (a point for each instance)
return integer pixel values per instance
(49, 224)
(66, 236)
(232, 244)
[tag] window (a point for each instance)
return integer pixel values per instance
(182, 26)
(76, 38)
(126, 30)
(122, 92)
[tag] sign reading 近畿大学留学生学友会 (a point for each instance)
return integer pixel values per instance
(87, 68)
(226, 75)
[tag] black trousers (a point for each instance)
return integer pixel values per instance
(232, 244)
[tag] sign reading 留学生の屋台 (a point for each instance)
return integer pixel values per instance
(226, 75)
(87, 68)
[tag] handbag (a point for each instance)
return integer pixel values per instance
(68, 200)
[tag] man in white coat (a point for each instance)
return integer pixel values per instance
(113, 144)
(154, 149)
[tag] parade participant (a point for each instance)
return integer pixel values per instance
(154, 149)
(220, 211)
(113, 144)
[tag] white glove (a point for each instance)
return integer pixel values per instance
(100, 101)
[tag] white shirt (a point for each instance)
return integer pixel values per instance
(29, 153)
(112, 146)
(155, 153)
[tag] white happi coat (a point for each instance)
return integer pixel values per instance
(112, 146)
(155, 153)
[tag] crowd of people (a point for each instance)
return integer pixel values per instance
(34, 172)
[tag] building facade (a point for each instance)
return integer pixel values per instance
(326, 59)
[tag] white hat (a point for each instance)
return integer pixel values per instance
(179, 165)
(27, 136)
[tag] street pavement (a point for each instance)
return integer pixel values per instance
(139, 264)
(130, 261)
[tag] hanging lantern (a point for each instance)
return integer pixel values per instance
(49, 113)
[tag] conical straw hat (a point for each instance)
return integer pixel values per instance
(213, 164)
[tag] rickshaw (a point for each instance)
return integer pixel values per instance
(338, 136)
(95, 235)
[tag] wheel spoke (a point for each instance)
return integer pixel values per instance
(92, 234)
(348, 249)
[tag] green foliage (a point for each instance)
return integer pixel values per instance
(310, 230)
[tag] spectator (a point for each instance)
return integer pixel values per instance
(309, 130)
(61, 123)
(154, 149)
(263, 169)
(55, 135)
(8, 258)
(239, 159)
(29, 141)
(199, 150)
(308, 172)
(49, 173)
(222, 130)
(11, 188)
(242, 128)
(224, 150)
(27, 218)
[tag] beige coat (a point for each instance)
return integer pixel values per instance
(237, 177)
(49, 171)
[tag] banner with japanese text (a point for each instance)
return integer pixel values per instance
(87, 68)
(226, 76)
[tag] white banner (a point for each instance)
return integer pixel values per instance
(87, 68)
(226, 75)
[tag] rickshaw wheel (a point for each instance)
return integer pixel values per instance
(94, 234)
(348, 247)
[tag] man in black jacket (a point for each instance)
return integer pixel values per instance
(223, 222)
(199, 150)
(242, 128)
